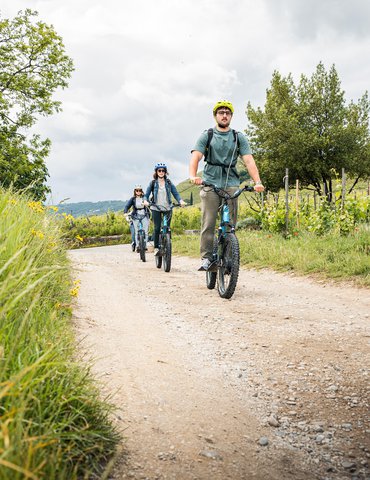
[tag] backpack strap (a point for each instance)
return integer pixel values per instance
(210, 135)
(209, 138)
(236, 139)
(151, 190)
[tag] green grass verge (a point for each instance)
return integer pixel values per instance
(53, 423)
(344, 258)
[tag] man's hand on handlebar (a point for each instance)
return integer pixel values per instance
(196, 180)
(258, 187)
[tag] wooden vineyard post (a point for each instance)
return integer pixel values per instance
(297, 201)
(286, 180)
(343, 188)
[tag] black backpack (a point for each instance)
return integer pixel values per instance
(213, 162)
(210, 136)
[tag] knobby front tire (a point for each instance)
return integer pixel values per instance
(167, 252)
(142, 246)
(228, 269)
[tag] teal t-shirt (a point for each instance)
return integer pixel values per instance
(222, 150)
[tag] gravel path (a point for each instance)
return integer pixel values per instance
(272, 384)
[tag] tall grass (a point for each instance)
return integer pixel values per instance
(52, 422)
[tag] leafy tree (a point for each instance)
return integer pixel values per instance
(33, 65)
(310, 130)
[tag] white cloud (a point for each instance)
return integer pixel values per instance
(148, 73)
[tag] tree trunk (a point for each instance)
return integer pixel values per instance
(328, 189)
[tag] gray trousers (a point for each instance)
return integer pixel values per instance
(210, 203)
(145, 222)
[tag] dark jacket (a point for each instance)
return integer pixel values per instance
(135, 212)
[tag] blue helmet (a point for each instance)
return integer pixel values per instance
(160, 165)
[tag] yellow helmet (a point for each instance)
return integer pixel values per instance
(223, 103)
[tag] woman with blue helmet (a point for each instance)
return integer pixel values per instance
(160, 191)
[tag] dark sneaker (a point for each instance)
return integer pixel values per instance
(206, 262)
(138, 250)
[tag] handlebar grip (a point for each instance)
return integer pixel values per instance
(205, 184)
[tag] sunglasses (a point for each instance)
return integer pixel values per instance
(224, 112)
(161, 170)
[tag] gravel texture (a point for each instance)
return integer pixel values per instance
(272, 384)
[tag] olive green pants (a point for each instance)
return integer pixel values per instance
(210, 203)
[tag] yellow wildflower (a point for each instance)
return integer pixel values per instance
(79, 238)
(37, 233)
(67, 216)
(74, 291)
(36, 207)
(51, 246)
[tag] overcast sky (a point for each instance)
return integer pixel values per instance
(148, 72)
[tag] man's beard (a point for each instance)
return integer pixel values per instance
(223, 126)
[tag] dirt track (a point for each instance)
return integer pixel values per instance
(272, 384)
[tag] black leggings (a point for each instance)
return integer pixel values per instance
(157, 220)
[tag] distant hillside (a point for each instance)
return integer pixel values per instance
(81, 209)
(91, 208)
(187, 190)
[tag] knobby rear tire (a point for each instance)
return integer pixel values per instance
(228, 269)
(158, 259)
(211, 277)
(142, 246)
(167, 252)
